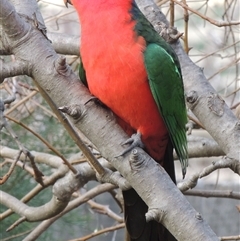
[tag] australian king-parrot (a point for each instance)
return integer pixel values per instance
(135, 73)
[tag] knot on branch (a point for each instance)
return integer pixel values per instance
(215, 104)
(73, 110)
(62, 67)
(155, 214)
(170, 34)
(2, 108)
(198, 216)
(237, 126)
(136, 160)
(192, 98)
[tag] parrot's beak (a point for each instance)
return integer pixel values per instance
(66, 2)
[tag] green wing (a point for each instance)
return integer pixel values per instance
(145, 29)
(82, 73)
(166, 84)
(165, 81)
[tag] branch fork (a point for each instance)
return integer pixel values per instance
(75, 111)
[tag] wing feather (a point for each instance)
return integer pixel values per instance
(166, 85)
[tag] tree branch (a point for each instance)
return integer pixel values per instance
(60, 186)
(199, 146)
(65, 43)
(73, 204)
(213, 193)
(62, 192)
(10, 69)
(99, 232)
(33, 214)
(230, 238)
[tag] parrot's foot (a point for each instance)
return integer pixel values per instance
(134, 141)
(66, 2)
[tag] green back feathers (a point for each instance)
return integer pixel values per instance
(82, 73)
(165, 80)
(167, 88)
(145, 29)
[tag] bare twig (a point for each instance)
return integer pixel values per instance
(16, 235)
(38, 174)
(73, 204)
(237, 237)
(225, 162)
(161, 2)
(102, 231)
(172, 8)
(186, 19)
(217, 23)
(104, 209)
(40, 157)
(91, 158)
(192, 118)
(233, 63)
(214, 52)
(15, 224)
(7, 112)
(8, 174)
(45, 142)
(213, 193)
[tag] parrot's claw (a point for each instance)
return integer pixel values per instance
(66, 2)
(134, 141)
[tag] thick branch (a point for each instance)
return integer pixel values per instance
(203, 147)
(47, 159)
(65, 43)
(62, 192)
(73, 204)
(33, 214)
(15, 68)
(61, 187)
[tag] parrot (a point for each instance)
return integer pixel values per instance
(135, 73)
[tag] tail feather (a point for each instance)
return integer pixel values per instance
(135, 209)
